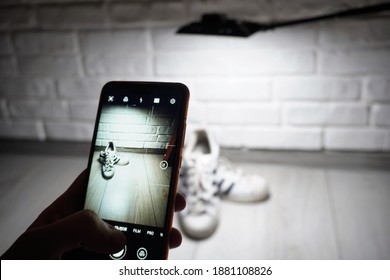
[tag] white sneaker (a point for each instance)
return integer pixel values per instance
(235, 185)
(200, 158)
(108, 169)
(110, 152)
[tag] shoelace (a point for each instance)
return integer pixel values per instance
(227, 175)
(110, 156)
(108, 162)
(199, 189)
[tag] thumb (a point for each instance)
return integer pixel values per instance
(85, 229)
(81, 229)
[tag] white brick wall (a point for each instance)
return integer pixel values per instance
(54, 66)
(136, 128)
(8, 67)
(381, 115)
(316, 89)
(356, 139)
(44, 42)
(378, 89)
(325, 114)
(319, 86)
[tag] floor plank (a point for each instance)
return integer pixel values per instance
(298, 222)
(294, 224)
(361, 201)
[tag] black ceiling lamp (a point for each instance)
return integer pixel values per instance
(219, 24)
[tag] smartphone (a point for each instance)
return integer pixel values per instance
(134, 163)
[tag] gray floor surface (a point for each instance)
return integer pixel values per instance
(313, 212)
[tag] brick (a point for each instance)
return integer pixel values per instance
(325, 114)
(230, 7)
(84, 109)
(159, 121)
(377, 89)
(125, 128)
(8, 66)
(138, 137)
(5, 44)
(56, 1)
(295, 37)
(3, 109)
(22, 129)
(381, 114)
(102, 136)
(164, 138)
(228, 136)
(111, 65)
(69, 131)
(122, 13)
(359, 32)
(45, 42)
(104, 127)
(83, 15)
(128, 119)
(304, 8)
(282, 138)
(168, 11)
(272, 62)
(118, 41)
(192, 64)
(50, 66)
(155, 145)
(359, 139)
(39, 109)
(166, 130)
(81, 88)
(232, 89)
(166, 39)
(196, 112)
(228, 113)
(20, 87)
(15, 17)
(356, 61)
(142, 11)
(387, 142)
(317, 88)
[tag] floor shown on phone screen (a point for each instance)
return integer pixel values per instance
(137, 192)
(315, 211)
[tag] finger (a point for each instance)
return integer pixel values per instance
(85, 229)
(175, 238)
(82, 229)
(180, 202)
(75, 194)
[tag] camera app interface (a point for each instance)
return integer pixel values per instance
(131, 169)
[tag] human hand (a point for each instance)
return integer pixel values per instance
(62, 227)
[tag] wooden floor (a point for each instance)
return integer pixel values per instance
(313, 212)
(137, 193)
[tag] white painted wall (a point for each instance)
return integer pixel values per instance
(322, 86)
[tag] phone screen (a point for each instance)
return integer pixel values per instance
(134, 163)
